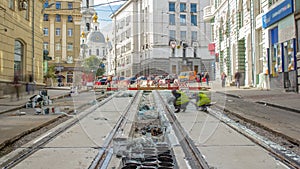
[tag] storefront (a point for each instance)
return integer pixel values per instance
(281, 55)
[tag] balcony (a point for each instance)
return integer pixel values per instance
(207, 13)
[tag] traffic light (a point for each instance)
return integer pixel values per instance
(45, 54)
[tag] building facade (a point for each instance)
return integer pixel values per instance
(61, 28)
(297, 21)
(278, 23)
(258, 39)
(156, 37)
(233, 36)
(21, 50)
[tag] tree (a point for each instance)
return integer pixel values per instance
(92, 64)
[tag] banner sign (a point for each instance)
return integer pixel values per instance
(279, 12)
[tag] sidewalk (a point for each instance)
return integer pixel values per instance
(11, 103)
(274, 97)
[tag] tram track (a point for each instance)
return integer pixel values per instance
(19, 157)
(191, 151)
(260, 135)
(105, 153)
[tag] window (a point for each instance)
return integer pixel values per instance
(57, 18)
(271, 2)
(70, 46)
(11, 4)
(57, 46)
(46, 46)
(46, 32)
(90, 52)
(46, 17)
(172, 6)
(58, 5)
(194, 36)
(194, 20)
(182, 19)
(70, 32)
(194, 8)
(172, 34)
(172, 19)
(183, 35)
(18, 59)
(182, 7)
(57, 31)
(70, 18)
(70, 5)
(97, 52)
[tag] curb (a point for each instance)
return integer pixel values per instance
(231, 95)
(278, 106)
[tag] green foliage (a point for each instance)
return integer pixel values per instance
(50, 72)
(92, 64)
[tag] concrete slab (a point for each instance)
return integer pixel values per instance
(49, 158)
(222, 146)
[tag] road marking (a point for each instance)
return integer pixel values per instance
(37, 140)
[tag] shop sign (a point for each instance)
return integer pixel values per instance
(286, 29)
(277, 13)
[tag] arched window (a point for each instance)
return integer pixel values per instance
(97, 52)
(18, 59)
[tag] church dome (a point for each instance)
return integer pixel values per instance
(97, 37)
(95, 17)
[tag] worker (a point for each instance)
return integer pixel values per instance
(181, 100)
(202, 101)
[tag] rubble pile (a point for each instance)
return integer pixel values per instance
(40, 102)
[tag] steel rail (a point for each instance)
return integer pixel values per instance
(36, 146)
(289, 158)
(104, 155)
(191, 151)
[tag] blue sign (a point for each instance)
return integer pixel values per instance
(279, 12)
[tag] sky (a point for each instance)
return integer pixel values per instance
(104, 11)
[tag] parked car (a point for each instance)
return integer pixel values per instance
(170, 78)
(117, 79)
(187, 76)
(101, 81)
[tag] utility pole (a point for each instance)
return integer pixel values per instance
(115, 44)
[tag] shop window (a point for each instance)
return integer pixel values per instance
(69, 77)
(298, 35)
(289, 62)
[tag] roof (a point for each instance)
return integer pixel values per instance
(97, 37)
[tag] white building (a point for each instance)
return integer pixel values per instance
(156, 37)
(92, 41)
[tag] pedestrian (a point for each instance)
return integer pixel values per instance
(17, 84)
(200, 77)
(237, 77)
(223, 78)
(206, 76)
(181, 100)
(59, 80)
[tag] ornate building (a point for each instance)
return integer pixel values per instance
(21, 50)
(93, 41)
